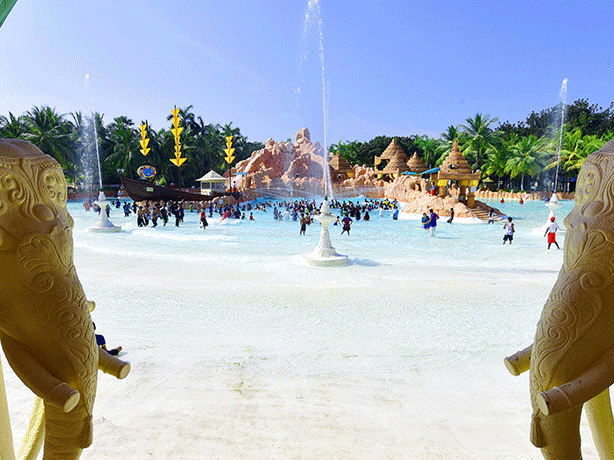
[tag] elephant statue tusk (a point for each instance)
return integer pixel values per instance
(109, 364)
(597, 378)
(35, 434)
(519, 362)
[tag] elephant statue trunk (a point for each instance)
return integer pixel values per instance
(45, 326)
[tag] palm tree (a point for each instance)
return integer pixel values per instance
(498, 157)
(13, 127)
(574, 149)
(228, 130)
(207, 146)
(429, 149)
(480, 136)
(527, 158)
(123, 137)
(51, 133)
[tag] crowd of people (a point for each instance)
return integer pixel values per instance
(302, 210)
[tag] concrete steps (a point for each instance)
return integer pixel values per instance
(482, 214)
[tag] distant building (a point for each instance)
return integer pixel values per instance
(212, 182)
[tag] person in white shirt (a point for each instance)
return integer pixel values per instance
(551, 233)
(509, 231)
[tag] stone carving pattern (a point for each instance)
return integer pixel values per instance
(43, 285)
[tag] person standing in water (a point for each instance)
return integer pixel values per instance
(551, 233)
(347, 222)
(451, 215)
(509, 231)
(491, 216)
(433, 222)
(425, 221)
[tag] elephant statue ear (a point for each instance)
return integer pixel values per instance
(90, 304)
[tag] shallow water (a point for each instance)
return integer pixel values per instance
(239, 350)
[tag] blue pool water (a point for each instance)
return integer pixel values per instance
(396, 355)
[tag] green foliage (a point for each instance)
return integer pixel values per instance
(51, 133)
(480, 138)
(509, 153)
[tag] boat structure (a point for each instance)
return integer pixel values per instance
(143, 190)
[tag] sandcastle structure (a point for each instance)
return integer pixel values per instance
(416, 165)
(286, 169)
(456, 168)
(340, 168)
(396, 160)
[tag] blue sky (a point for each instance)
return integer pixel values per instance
(392, 68)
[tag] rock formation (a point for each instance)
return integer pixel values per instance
(291, 166)
(296, 168)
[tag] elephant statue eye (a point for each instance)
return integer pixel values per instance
(43, 213)
(593, 209)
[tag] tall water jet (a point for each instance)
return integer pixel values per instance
(563, 102)
(324, 253)
(103, 224)
(313, 19)
(553, 203)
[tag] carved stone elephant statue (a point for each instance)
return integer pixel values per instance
(45, 326)
(571, 360)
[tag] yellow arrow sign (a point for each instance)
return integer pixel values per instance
(175, 112)
(143, 131)
(176, 132)
(229, 151)
(178, 161)
(178, 151)
(176, 122)
(144, 143)
(229, 139)
(145, 151)
(229, 159)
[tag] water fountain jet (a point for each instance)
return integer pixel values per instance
(553, 204)
(324, 253)
(103, 224)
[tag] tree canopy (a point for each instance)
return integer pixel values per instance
(509, 153)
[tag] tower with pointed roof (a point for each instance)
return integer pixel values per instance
(340, 168)
(396, 160)
(455, 167)
(416, 164)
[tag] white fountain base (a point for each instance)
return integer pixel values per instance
(101, 227)
(553, 205)
(324, 254)
(317, 259)
(104, 225)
